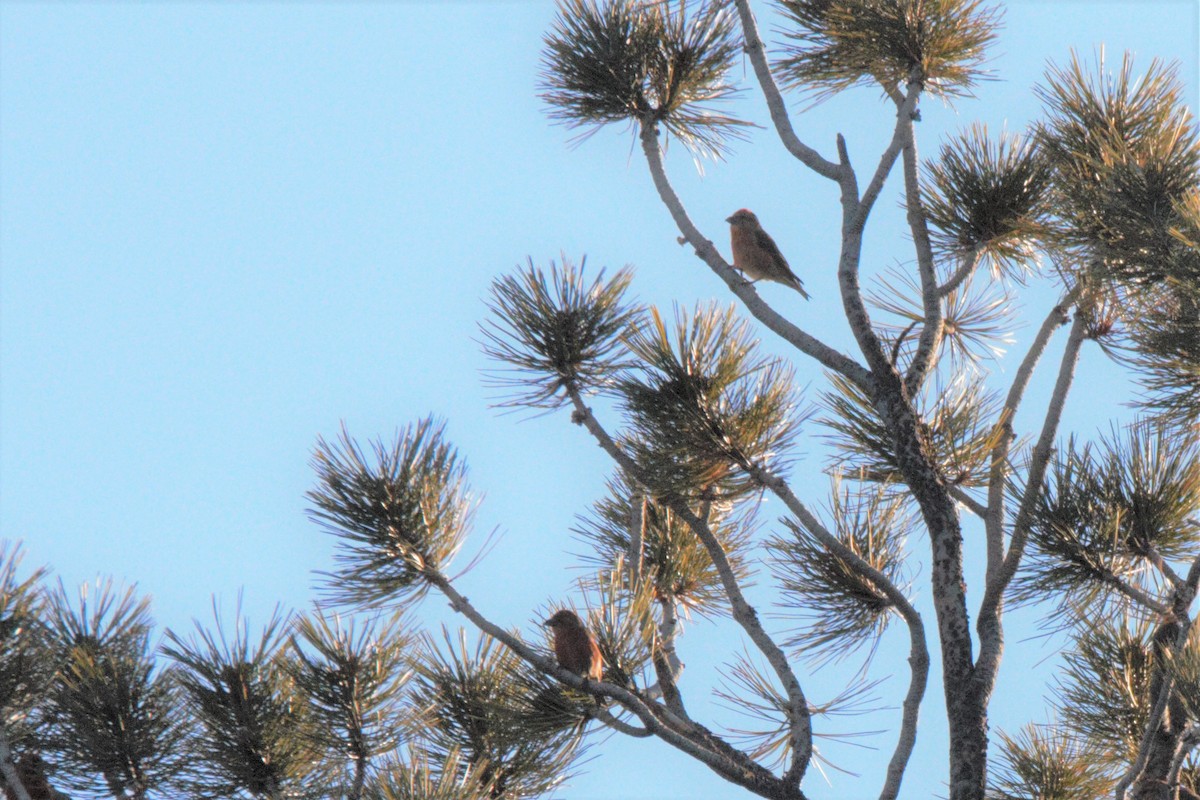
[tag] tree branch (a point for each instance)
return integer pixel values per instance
(9, 769)
(989, 610)
(918, 658)
(974, 506)
(799, 718)
(998, 474)
(620, 726)
(666, 663)
(745, 291)
(964, 271)
(854, 219)
(783, 125)
(931, 332)
(900, 134)
(727, 762)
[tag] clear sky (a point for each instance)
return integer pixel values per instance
(227, 228)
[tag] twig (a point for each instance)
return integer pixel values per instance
(974, 506)
(965, 270)
(900, 134)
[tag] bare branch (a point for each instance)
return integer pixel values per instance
(707, 252)
(800, 722)
(1136, 595)
(903, 130)
(989, 609)
(1163, 567)
(666, 663)
(998, 478)
(964, 271)
(970, 503)
(931, 332)
(620, 726)
(783, 125)
(854, 218)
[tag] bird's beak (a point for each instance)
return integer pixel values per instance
(729, 220)
(545, 623)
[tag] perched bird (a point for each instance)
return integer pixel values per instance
(574, 647)
(755, 253)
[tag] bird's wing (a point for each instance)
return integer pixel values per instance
(764, 240)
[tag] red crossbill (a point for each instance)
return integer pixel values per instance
(574, 647)
(755, 253)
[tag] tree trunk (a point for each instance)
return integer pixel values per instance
(966, 703)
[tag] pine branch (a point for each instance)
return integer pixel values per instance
(918, 651)
(775, 102)
(690, 738)
(918, 223)
(964, 271)
(905, 107)
(800, 723)
(745, 292)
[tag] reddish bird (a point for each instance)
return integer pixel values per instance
(31, 769)
(755, 253)
(574, 647)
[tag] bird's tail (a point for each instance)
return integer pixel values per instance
(799, 287)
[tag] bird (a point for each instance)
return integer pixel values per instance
(755, 253)
(574, 647)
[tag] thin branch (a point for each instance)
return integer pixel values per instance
(931, 332)
(800, 722)
(708, 253)
(970, 503)
(918, 658)
(854, 218)
(775, 103)
(1135, 594)
(666, 663)
(989, 609)
(900, 135)
(620, 726)
(964, 271)
(1163, 567)
(727, 762)
(9, 769)
(998, 475)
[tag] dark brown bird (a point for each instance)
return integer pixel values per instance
(574, 647)
(755, 253)
(31, 769)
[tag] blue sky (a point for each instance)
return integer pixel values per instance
(227, 228)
